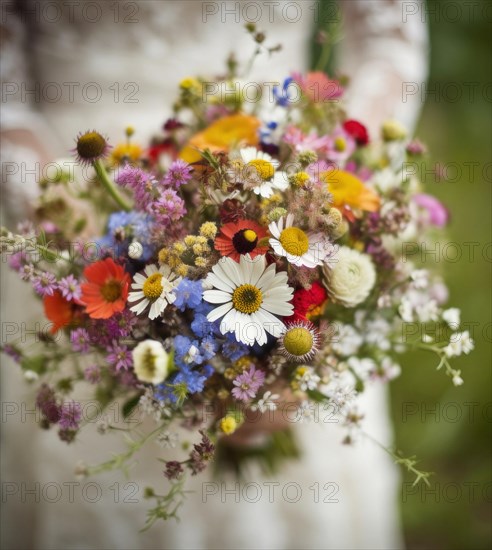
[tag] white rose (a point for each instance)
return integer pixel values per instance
(151, 362)
(350, 278)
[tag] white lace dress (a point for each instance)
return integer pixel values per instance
(117, 66)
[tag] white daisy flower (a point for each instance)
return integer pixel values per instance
(154, 289)
(265, 170)
(250, 296)
(299, 247)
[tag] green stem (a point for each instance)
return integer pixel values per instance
(110, 186)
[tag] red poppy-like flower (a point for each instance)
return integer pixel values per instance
(106, 289)
(357, 130)
(58, 310)
(309, 303)
(240, 237)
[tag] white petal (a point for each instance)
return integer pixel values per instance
(266, 280)
(255, 330)
(228, 323)
(281, 181)
(220, 283)
(139, 278)
(231, 269)
(272, 324)
(150, 269)
(273, 228)
(216, 296)
(218, 312)
(134, 296)
(277, 247)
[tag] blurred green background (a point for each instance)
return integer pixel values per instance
(450, 429)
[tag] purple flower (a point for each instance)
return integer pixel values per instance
(119, 356)
(168, 208)
(80, 340)
(437, 212)
(70, 415)
(140, 182)
(17, 260)
(27, 272)
(46, 402)
(173, 469)
(179, 174)
(12, 352)
(120, 325)
(248, 383)
(70, 288)
(92, 374)
(44, 284)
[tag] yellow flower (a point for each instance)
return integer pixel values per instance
(190, 83)
(348, 190)
(228, 425)
(208, 230)
(222, 135)
(126, 152)
(393, 130)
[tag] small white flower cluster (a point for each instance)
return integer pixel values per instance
(151, 407)
(308, 380)
(459, 343)
(266, 403)
(167, 439)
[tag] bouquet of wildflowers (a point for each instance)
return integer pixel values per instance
(250, 262)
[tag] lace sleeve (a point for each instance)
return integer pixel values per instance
(384, 49)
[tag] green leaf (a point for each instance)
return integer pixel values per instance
(130, 405)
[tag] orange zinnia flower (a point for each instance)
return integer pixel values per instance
(240, 237)
(349, 191)
(106, 289)
(221, 135)
(58, 310)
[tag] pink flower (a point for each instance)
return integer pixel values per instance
(318, 87)
(437, 213)
(247, 384)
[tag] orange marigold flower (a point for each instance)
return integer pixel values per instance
(240, 237)
(221, 135)
(106, 289)
(58, 310)
(348, 190)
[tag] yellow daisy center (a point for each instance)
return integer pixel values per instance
(265, 169)
(340, 144)
(247, 298)
(300, 179)
(294, 241)
(298, 341)
(111, 290)
(152, 288)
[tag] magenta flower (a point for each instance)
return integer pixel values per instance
(438, 214)
(247, 384)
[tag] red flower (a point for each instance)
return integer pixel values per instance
(106, 290)
(58, 310)
(357, 130)
(240, 237)
(309, 303)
